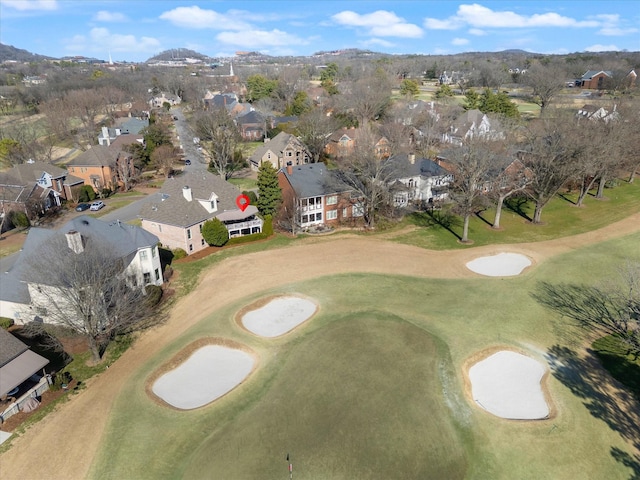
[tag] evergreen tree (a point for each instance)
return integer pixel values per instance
(409, 88)
(269, 193)
(215, 233)
(471, 100)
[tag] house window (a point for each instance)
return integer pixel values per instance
(305, 218)
(143, 254)
(160, 228)
(202, 242)
(318, 217)
(318, 202)
(332, 214)
(358, 211)
(332, 200)
(157, 274)
(188, 233)
(345, 212)
(289, 154)
(191, 247)
(147, 277)
(154, 252)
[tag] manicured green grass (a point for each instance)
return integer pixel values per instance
(622, 365)
(372, 387)
(560, 218)
(244, 183)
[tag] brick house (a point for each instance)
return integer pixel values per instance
(342, 143)
(281, 150)
(313, 197)
(595, 79)
(252, 126)
(35, 187)
(99, 167)
(185, 202)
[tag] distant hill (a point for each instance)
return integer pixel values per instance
(8, 52)
(178, 54)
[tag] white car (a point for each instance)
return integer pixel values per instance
(95, 206)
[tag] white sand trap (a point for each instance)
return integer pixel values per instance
(279, 316)
(501, 265)
(4, 436)
(208, 374)
(507, 384)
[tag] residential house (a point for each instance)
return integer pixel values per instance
(130, 126)
(281, 150)
(252, 126)
(313, 196)
(100, 165)
(158, 101)
(19, 373)
(473, 123)
(595, 79)
(35, 187)
(22, 283)
(343, 142)
(418, 180)
(185, 202)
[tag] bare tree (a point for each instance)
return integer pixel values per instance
(219, 137)
(86, 106)
(471, 165)
(366, 176)
(552, 153)
(88, 290)
(611, 308)
(313, 129)
(369, 97)
(126, 170)
(546, 81)
(163, 158)
(513, 178)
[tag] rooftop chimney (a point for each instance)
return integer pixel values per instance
(289, 168)
(186, 192)
(74, 241)
(412, 158)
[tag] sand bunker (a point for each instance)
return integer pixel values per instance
(278, 316)
(208, 374)
(501, 265)
(507, 384)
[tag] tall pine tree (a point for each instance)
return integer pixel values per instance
(269, 191)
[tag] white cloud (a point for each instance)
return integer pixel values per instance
(478, 16)
(459, 41)
(196, 17)
(616, 31)
(373, 42)
(101, 41)
(380, 23)
(24, 5)
(259, 38)
(602, 48)
(477, 32)
(105, 16)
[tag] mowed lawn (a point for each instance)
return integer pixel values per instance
(373, 387)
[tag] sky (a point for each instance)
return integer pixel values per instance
(135, 30)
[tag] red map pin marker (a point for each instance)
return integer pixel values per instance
(243, 202)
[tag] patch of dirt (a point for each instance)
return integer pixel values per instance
(83, 419)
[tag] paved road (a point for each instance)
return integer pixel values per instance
(189, 148)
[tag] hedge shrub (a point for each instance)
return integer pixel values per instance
(154, 294)
(6, 322)
(179, 253)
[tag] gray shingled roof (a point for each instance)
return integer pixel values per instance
(313, 180)
(28, 173)
(170, 206)
(277, 144)
(96, 156)
(424, 167)
(124, 239)
(10, 347)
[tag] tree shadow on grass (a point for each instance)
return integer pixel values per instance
(437, 218)
(605, 398)
(517, 205)
(566, 198)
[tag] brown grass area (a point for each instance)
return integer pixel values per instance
(84, 417)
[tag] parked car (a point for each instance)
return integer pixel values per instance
(82, 207)
(187, 162)
(95, 206)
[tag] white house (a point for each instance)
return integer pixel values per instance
(418, 180)
(136, 247)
